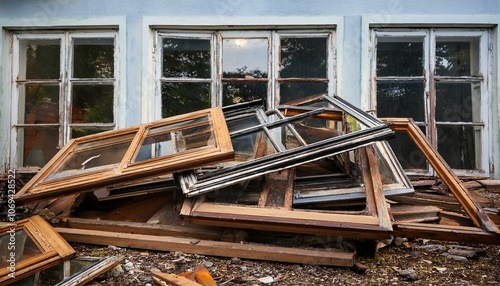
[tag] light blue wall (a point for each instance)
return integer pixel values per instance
(351, 71)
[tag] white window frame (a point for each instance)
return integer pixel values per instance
(66, 82)
(216, 37)
(429, 36)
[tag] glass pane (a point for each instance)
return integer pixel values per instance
(303, 57)
(84, 131)
(238, 124)
(233, 93)
(315, 130)
(407, 153)
(245, 58)
(92, 104)
(401, 99)
(251, 146)
(458, 102)
(100, 155)
(42, 58)
(175, 138)
(457, 145)
(178, 98)
(38, 145)
(400, 57)
(457, 58)
(24, 248)
(186, 58)
(293, 91)
(93, 58)
(41, 103)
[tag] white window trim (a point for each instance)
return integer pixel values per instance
(217, 36)
(66, 82)
(440, 30)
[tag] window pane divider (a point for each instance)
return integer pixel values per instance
(464, 79)
(184, 79)
(398, 78)
(264, 80)
(298, 79)
(459, 123)
(38, 81)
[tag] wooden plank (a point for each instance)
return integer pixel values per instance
(333, 257)
(277, 189)
(491, 185)
(454, 219)
(145, 228)
(53, 238)
(462, 234)
(173, 279)
(471, 207)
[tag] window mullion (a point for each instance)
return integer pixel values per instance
(216, 65)
(66, 87)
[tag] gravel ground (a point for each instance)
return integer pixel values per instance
(418, 262)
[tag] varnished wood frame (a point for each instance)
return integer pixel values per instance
(37, 189)
(471, 207)
(375, 224)
(54, 249)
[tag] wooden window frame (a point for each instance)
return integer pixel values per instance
(53, 247)
(38, 189)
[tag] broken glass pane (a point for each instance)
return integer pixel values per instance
(407, 153)
(245, 58)
(93, 58)
(41, 103)
(104, 154)
(401, 99)
(43, 59)
(400, 56)
(457, 57)
(92, 104)
(303, 57)
(186, 58)
(22, 246)
(183, 97)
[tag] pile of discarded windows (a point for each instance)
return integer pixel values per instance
(206, 181)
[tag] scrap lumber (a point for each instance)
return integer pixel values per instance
(173, 279)
(491, 185)
(333, 257)
(411, 213)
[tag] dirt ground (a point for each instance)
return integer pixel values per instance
(417, 262)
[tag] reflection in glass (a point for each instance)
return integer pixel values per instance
(93, 58)
(179, 98)
(457, 58)
(38, 145)
(25, 248)
(186, 58)
(92, 104)
(303, 57)
(233, 93)
(401, 99)
(244, 58)
(42, 58)
(315, 130)
(458, 102)
(457, 145)
(400, 57)
(41, 103)
(84, 131)
(174, 138)
(104, 154)
(292, 91)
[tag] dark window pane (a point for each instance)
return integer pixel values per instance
(178, 98)
(245, 58)
(41, 103)
(401, 99)
(92, 104)
(407, 153)
(457, 58)
(457, 102)
(93, 58)
(84, 131)
(43, 59)
(39, 145)
(457, 146)
(186, 58)
(293, 91)
(400, 58)
(303, 57)
(240, 92)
